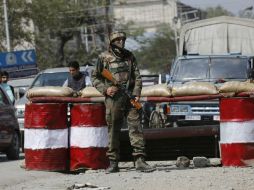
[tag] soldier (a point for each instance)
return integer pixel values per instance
(123, 66)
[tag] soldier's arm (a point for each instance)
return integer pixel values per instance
(98, 80)
(137, 77)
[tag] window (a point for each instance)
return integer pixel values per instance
(50, 79)
(191, 69)
(228, 68)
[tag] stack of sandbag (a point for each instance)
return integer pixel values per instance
(236, 87)
(49, 91)
(194, 89)
(90, 91)
(156, 90)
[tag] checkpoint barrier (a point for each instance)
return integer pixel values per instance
(237, 131)
(46, 137)
(89, 137)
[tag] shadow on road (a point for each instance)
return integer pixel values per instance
(3, 157)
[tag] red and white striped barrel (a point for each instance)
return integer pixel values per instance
(46, 137)
(89, 137)
(237, 131)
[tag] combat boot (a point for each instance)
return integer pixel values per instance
(142, 166)
(113, 167)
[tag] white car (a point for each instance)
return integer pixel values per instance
(48, 77)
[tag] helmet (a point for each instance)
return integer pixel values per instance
(115, 35)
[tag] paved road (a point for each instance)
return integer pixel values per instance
(14, 177)
(167, 176)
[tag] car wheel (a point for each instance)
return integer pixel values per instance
(156, 120)
(13, 151)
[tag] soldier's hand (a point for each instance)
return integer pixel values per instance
(137, 98)
(112, 90)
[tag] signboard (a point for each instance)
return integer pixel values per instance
(19, 63)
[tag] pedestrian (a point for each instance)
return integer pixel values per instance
(8, 88)
(123, 66)
(76, 80)
(5, 79)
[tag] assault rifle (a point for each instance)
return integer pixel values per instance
(108, 75)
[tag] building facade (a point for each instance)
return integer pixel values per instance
(149, 14)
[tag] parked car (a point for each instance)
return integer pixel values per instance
(20, 85)
(215, 69)
(9, 128)
(48, 77)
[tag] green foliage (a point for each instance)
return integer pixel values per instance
(157, 52)
(217, 11)
(56, 15)
(51, 18)
(18, 28)
(62, 19)
(129, 29)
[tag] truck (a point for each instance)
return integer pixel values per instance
(213, 50)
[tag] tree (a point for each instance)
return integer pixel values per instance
(217, 11)
(64, 20)
(157, 52)
(55, 23)
(18, 24)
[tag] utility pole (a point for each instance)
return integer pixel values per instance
(175, 26)
(86, 39)
(175, 22)
(6, 26)
(108, 11)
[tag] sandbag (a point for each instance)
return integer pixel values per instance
(156, 90)
(49, 91)
(194, 88)
(236, 86)
(90, 92)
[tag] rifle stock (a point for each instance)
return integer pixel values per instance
(137, 105)
(108, 75)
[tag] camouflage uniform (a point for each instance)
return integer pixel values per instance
(126, 72)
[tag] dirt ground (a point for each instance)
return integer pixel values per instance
(166, 176)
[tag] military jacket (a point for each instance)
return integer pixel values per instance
(124, 70)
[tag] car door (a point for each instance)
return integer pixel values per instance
(8, 121)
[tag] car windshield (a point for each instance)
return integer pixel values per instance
(228, 68)
(50, 79)
(189, 69)
(215, 68)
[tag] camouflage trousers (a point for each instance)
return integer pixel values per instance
(117, 109)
